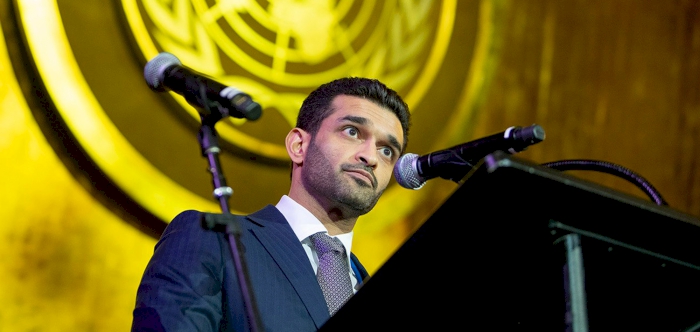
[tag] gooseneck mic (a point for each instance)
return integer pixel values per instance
(411, 171)
(211, 98)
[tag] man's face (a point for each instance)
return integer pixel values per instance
(351, 158)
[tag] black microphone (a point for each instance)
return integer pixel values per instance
(411, 171)
(211, 98)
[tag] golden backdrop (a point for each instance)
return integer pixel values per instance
(95, 163)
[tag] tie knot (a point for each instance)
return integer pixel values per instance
(324, 243)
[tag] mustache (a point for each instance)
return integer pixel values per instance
(350, 167)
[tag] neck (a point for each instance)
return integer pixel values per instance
(336, 219)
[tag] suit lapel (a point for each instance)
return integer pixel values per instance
(278, 238)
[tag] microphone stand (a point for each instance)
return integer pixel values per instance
(208, 139)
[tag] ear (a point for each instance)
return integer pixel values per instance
(297, 141)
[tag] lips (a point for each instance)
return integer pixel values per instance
(365, 175)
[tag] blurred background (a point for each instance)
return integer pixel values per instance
(95, 163)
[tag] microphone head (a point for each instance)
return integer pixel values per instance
(520, 138)
(533, 134)
(406, 172)
(154, 70)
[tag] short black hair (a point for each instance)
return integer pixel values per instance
(317, 105)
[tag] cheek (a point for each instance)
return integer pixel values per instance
(384, 176)
(335, 153)
(340, 151)
(333, 156)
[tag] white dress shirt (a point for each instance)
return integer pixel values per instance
(304, 224)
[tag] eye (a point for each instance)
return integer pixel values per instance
(387, 152)
(351, 131)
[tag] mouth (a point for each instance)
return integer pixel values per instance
(364, 176)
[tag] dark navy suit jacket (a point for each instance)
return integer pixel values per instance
(190, 283)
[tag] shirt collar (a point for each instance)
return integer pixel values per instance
(304, 224)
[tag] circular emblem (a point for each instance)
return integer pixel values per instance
(278, 51)
(143, 144)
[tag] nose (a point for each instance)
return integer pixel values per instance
(368, 154)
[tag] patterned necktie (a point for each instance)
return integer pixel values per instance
(333, 272)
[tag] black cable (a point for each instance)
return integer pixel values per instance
(610, 168)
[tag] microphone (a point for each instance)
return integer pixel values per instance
(211, 98)
(411, 171)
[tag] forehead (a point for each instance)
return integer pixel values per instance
(345, 106)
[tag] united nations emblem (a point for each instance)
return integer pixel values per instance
(140, 147)
(278, 51)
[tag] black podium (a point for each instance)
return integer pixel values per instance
(520, 247)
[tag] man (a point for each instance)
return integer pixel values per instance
(348, 137)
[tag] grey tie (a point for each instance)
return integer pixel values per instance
(333, 272)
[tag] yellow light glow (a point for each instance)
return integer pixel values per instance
(74, 100)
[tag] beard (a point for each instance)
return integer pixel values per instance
(322, 178)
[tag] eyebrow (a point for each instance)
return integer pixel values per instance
(363, 121)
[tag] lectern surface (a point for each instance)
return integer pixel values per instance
(491, 258)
